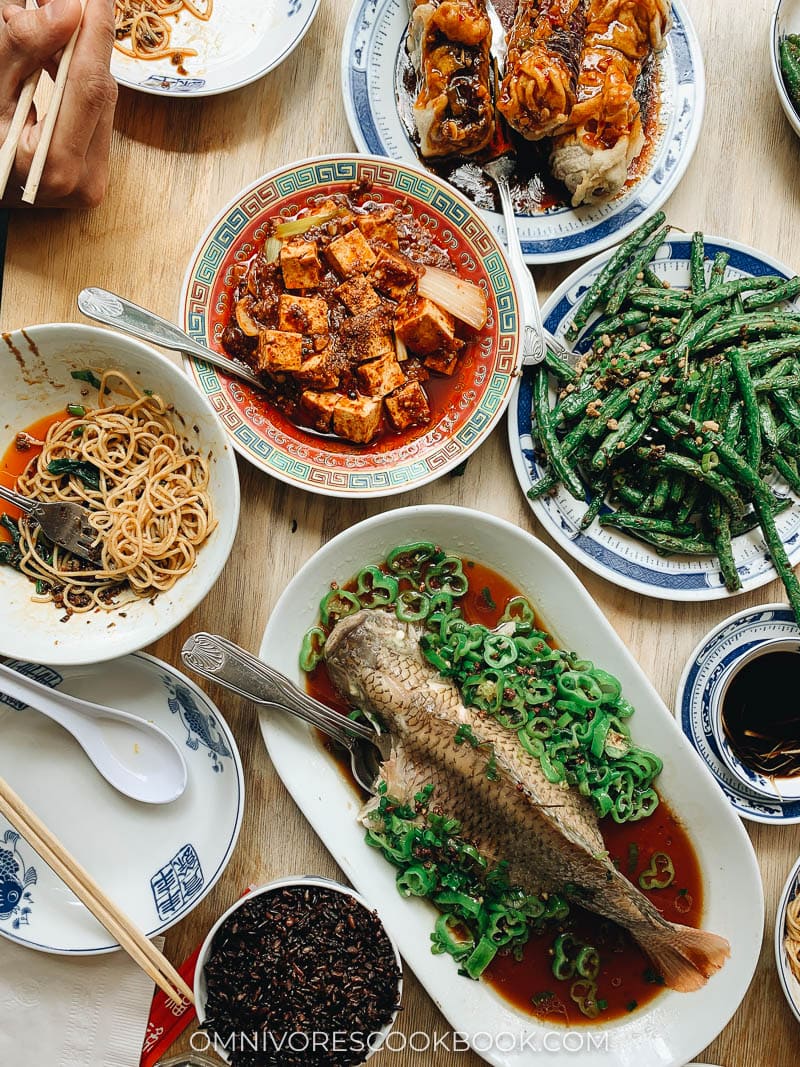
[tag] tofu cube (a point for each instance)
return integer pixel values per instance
(357, 295)
(366, 336)
(380, 226)
(279, 352)
(300, 264)
(357, 420)
(350, 254)
(380, 376)
(423, 326)
(320, 407)
(443, 362)
(307, 315)
(408, 407)
(319, 370)
(393, 274)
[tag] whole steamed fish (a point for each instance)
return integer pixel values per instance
(547, 833)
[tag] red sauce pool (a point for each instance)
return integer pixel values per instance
(626, 981)
(13, 462)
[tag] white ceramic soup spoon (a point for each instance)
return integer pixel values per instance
(134, 756)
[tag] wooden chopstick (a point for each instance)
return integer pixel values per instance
(53, 107)
(8, 150)
(76, 878)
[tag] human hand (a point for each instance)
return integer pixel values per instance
(76, 172)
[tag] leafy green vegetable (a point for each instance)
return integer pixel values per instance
(87, 472)
(87, 376)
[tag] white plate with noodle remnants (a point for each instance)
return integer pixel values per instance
(234, 44)
(156, 863)
(39, 363)
(377, 94)
(673, 1027)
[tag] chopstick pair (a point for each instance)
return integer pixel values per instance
(8, 150)
(142, 951)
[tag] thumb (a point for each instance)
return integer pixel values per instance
(30, 38)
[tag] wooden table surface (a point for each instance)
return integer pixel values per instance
(175, 164)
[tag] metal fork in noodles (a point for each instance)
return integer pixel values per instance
(65, 524)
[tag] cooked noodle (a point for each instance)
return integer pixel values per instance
(792, 940)
(145, 23)
(152, 510)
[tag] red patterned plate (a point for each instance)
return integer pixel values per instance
(465, 407)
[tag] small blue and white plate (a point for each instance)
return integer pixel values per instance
(372, 60)
(698, 690)
(611, 553)
(156, 862)
(241, 42)
(789, 984)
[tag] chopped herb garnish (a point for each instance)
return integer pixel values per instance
(465, 733)
(87, 376)
(147, 392)
(653, 977)
(78, 431)
(487, 598)
(77, 410)
(12, 526)
(491, 768)
(602, 1004)
(633, 858)
(632, 1005)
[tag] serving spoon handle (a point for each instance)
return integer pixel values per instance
(113, 310)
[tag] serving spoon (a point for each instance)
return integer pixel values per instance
(222, 661)
(135, 757)
(112, 310)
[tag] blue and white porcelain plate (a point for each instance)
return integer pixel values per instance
(789, 984)
(157, 862)
(613, 554)
(372, 58)
(241, 42)
(698, 690)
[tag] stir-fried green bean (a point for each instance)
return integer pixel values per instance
(668, 371)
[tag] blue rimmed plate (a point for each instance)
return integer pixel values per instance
(789, 984)
(610, 553)
(156, 863)
(698, 689)
(241, 42)
(372, 57)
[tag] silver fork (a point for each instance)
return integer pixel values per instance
(535, 336)
(222, 661)
(66, 525)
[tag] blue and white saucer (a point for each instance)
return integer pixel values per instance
(372, 55)
(157, 862)
(698, 692)
(789, 984)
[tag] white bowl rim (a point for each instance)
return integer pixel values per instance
(434, 179)
(777, 76)
(289, 881)
(228, 524)
(780, 926)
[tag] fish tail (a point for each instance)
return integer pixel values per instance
(685, 958)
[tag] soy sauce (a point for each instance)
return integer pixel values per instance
(761, 714)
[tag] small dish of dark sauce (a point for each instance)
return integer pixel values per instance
(760, 712)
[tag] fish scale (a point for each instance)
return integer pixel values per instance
(547, 833)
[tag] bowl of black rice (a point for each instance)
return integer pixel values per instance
(300, 972)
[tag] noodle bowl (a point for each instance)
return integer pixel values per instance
(146, 491)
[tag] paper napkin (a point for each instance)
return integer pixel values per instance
(71, 1011)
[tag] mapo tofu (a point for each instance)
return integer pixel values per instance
(346, 312)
